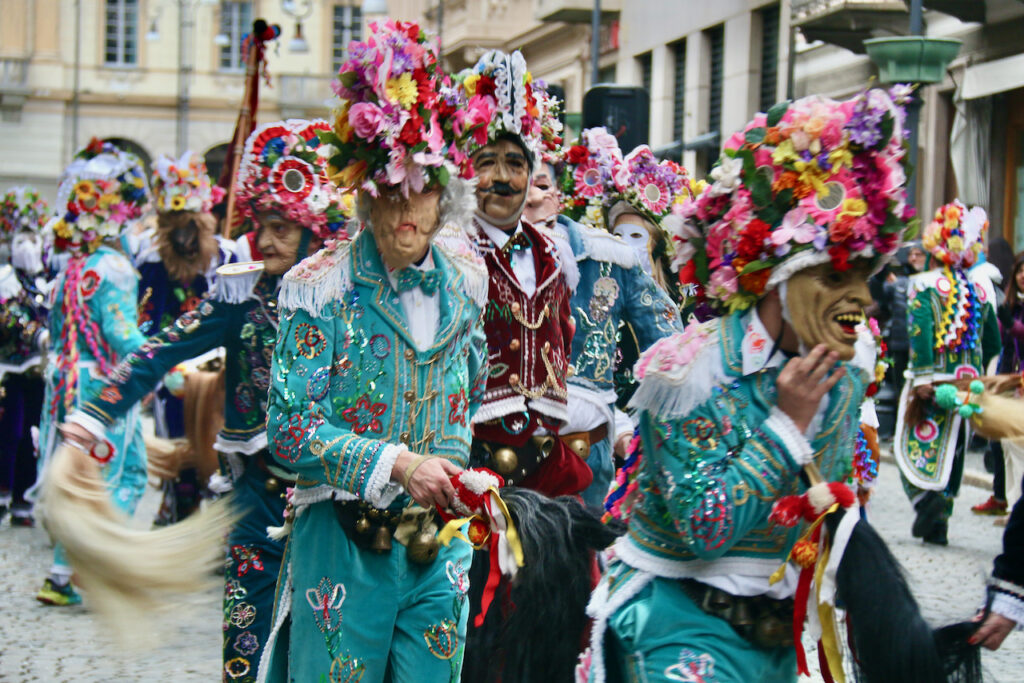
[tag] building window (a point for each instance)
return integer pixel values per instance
(644, 61)
(769, 56)
(607, 74)
(716, 43)
(121, 46)
(235, 22)
(678, 88)
(348, 26)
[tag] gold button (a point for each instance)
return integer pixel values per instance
(410, 396)
(272, 484)
(514, 345)
(547, 347)
(410, 354)
(404, 438)
(516, 307)
(513, 379)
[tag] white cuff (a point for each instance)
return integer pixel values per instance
(623, 425)
(793, 442)
(380, 490)
(921, 380)
(1010, 607)
(89, 423)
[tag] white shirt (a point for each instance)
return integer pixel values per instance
(422, 312)
(521, 259)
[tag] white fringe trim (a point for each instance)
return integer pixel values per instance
(283, 610)
(676, 392)
(795, 443)
(1009, 607)
(380, 490)
(566, 259)
(319, 280)
(559, 410)
(248, 447)
(220, 484)
(604, 246)
(600, 608)
(455, 244)
(492, 410)
(236, 288)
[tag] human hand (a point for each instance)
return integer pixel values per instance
(621, 444)
(78, 436)
(804, 381)
(993, 631)
(426, 478)
(925, 392)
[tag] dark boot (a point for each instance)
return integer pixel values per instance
(937, 536)
(929, 514)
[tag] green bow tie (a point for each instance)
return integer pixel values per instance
(427, 280)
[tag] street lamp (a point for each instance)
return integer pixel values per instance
(298, 10)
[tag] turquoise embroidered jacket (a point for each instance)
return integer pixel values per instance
(247, 330)
(613, 289)
(717, 455)
(348, 383)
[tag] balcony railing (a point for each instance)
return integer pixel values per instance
(575, 11)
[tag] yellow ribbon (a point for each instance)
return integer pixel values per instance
(453, 529)
(781, 571)
(829, 638)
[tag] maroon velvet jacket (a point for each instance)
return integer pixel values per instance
(529, 339)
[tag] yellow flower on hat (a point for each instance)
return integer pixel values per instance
(341, 125)
(62, 229)
(402, 90)
(178, 203)
(85, 188)
(137, 181)
(470, 84)
(108, 200)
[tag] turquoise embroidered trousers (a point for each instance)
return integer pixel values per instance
(661, 635)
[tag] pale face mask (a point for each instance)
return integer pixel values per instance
(633, 231)
(27, 253)
(403, 226)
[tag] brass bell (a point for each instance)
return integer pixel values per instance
(545, 444)
(741, 615)
(423, 547)
(362, 525)
(382, 540)
(272, 484)
(505, 461)
(580, 447)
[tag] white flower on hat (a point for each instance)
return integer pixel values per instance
(726, 175)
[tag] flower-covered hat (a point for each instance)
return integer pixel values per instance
(101, 191)
(956, 236)
(183, 184)
(283, 170)
(586, 181)
(500, 84)
(651, 187)
(22, 209)
(398, 113)
(810, 182)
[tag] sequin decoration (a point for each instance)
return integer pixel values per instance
(700, 432)
(246, 558)
(459, 408)
(347, 669)
(243, 614)
(692, 667)
(291, 435)
(326, 600)
(237, 667)
(309, 340)
(606, 292)
(711, 520)
(247, 643)
(380, 346)
(318, 383)
(442, 639)
(363, 415)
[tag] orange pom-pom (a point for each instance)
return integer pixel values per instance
(805, 553)
(478, 532)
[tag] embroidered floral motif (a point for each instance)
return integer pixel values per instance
(309, 340)
(246, 558)
(326, 600)
(318, 383)
(459, 408)
(606, 292)
(89, 283)
(247, 643)
(234, 590)
(363, 415)
(243, 614)
(700, 432)
(347, 669)
(292, 434)
(237, 667)
(380, 346)
(692, 668)
(110, 394)
(442, 639)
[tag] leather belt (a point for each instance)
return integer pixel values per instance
(762, 621)
(580, 442)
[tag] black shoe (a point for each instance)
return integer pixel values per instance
(929, 514)
(938, 534)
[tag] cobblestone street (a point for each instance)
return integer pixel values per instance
(56, 645)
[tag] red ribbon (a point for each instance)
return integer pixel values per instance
(493, 579)
(803, 590)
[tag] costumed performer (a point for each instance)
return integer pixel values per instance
(378, 364)
(293, 209)
(616, 297)
(177, 268)
(954, 333)
(93, 325)
(23, 341)
(806, 202)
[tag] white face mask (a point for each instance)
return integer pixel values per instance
(637, 237)
(27, 253)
